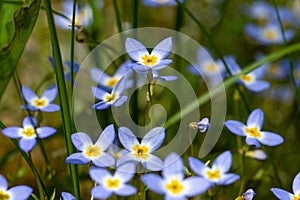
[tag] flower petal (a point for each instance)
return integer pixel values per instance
(163, 48)
(228, 179)
(173, 164)
(44, 132)
(67, 196)
(223, 161)
(120, 86)
(99, 93)
(22, 190)
(81, 140)
(98, 174)
(98, 76)
(77, 158)
(126, 158)
(120, 101)
(127, 138)
(3, 183)
(126, 172)
(197, 166)
(257, 85)
(50, 108)
(50, 93)
(235, 127)
(195, 186)
(28, 94)
(252, 141)
(100, 192)
(126, 190)
(12, 132)
(29, 121)
(296, 184)
(135, 49)
(27, 144)
(104, 160)
(282, 194)
(154, 138)
(154, 183)
(270, 139)
(153, 163)
(101, 105)
(106, 138)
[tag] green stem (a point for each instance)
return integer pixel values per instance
(297, 93)
(230, 81)
(135, 7)
(43, 150)
(42, 189)
(118, 17)
(62, 91)
(73, 44)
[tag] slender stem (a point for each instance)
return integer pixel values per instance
(12, 2)
(118, 16)
(44, 153)
(230, 81)
(73, 44)
(62, 91)
(135, 7)
(297, 93)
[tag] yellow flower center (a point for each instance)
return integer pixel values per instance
(149, 60)
(211, 67)
(39, 103)
(253, 132)
(174, 186)
(270, 34)
(296, 197)
(3, 195)
(112, 82)
(110, 98)
(246, 78)
(92, 151)
(113, 183)
(274, 69)
(213, 174)
(28, 132)
(141, 151)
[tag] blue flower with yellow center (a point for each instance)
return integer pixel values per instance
(285, 195)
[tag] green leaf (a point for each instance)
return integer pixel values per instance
(14, 36)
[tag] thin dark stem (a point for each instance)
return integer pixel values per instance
(118, 16)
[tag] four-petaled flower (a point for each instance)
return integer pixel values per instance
(66, 68)
(34, 103)
(251, 80)
(110, 184)
(21, 192)
(28, 133)
(156, 60)
(248, 195)
(114, 98)
(285, 195)
(173, 184)
(93, 152)
(109, 82)
(217, 174)
(252, 130)
(141, 151)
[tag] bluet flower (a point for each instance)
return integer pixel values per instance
(277, 70)
(251, 80)
(28, 133)
(260, 11)
(145, 61)
(156, 3)
(109, 184)
(285, 195)
(109, 82)
(173, 184)
(21, 192)
(93, 152)
(257, 154)
(114, 98)
(142, 151)
(83, 16)
(252, 131)
(43, 103)
(248, 195)
(269, 34)
(67, 196)
(217, 174)
(67, 68)
(202, 125)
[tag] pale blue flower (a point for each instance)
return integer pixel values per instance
(278, 70)
(217, 174)
(142, 151)
(113, 98)
(284, 195)
(28, 133)
(261, 11)
(202, 125)
(144, 61)
(251, 80)
(43, 103)
(156, 3)
(109, 184)
(252, 131)
(108, 82)
(83, 16)
(21, 192)
(67, 196)
(90, 152)
(173, 184)
(249, 194)
(257, 154)
(269, 34)
(66, 68)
